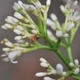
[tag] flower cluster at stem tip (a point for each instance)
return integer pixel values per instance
(51, 30)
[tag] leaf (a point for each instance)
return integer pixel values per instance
(77, 76)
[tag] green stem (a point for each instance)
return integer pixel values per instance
(63, 58)
(70, 53)
(73, 32)
(44, 23)
(58, 43)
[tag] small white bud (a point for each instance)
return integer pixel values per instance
(75, 3)
(63, 9)
(9, 44)
(19, 27)
(18, 38)
(43, 64)
(66, 35)
(59, 34)
(6, 49)
(76, 61)
(53, 17)
(8, 26)
(33, 26)
(4, 27)
(48, 2)
(76, 71)
(71, 25)
(51, 24)
(38, 4)
(29, 7)
(64, 73)
(18, 15)
(12, 55)
(43, 60)
(53, 71)
(34, 31)
(16, 6)
(17, 31)
(40, 74)
(11, 20)
(47, 78)
(59, 68)
(51, 36)
(71, 64)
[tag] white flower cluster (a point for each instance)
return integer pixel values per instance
(23, 25)
(50, 70)
(76, 66)
(13, 50)
(71, 18)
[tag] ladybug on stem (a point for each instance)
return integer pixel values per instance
(36, 36)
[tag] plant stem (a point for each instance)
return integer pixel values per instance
(70, 53)
(63, 58)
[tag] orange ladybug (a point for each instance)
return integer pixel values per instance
(34, 37)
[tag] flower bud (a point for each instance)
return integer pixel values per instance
(76, 61)
(76, 71)
(53, 17)
(63, 9)
(43, 64)
(48, 2)
(59, 34)
(43, 60)
(40, 74)
(59, 68)
(71, 25)
(47, 78)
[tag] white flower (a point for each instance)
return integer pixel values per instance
(11, 20)
(76, 71)
(48, 2)
(43, 60)
(40, 74)
(47, 78)
(71, 26)
(29, 7)
(9, 44)
(59, 68)
(37, 4)
(17, 31)
(18, 38)
(51, 36)
(19, 28)
(7, 26)
(4, 27)
(64, 73)
(59, 33)
(18, 6)
(43, 64)
(34, 31)
(71, 64)
(66, 35)
(33, 26)
(76, 61)
(11, 56)
(51, 24)
(18, 15)
(53, 17)
(75, 3)
(63, 9)
(6, 49)
(53, 71)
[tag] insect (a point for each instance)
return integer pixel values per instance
(36, 36)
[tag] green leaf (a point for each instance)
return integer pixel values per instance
(77, 76)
